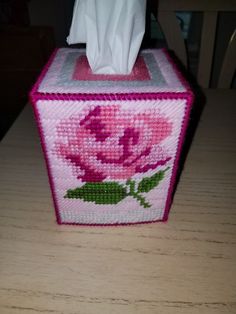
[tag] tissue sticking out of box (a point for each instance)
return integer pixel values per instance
(112, 30)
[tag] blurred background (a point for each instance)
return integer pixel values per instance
(31, 29)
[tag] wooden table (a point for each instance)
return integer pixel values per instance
(187, 265)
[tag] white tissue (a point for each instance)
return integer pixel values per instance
(112, 30)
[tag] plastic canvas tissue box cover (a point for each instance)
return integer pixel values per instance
(111, 143)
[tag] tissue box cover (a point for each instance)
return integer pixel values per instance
(111, 142)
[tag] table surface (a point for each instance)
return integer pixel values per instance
(187, 265)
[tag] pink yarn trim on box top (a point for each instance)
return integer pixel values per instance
(83, 72)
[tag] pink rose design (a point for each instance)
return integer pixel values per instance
(110, 143)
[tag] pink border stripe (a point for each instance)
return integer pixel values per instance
(86, 97)
(83, 72)
(188, 95)
(111, 225)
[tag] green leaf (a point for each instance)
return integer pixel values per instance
(147, 184)
(99, 192)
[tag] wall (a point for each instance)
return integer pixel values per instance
(55, 13)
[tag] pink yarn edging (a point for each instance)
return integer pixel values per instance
(122, 224)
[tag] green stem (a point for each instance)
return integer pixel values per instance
(131, 185)
(141, 199)
(136, 195)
